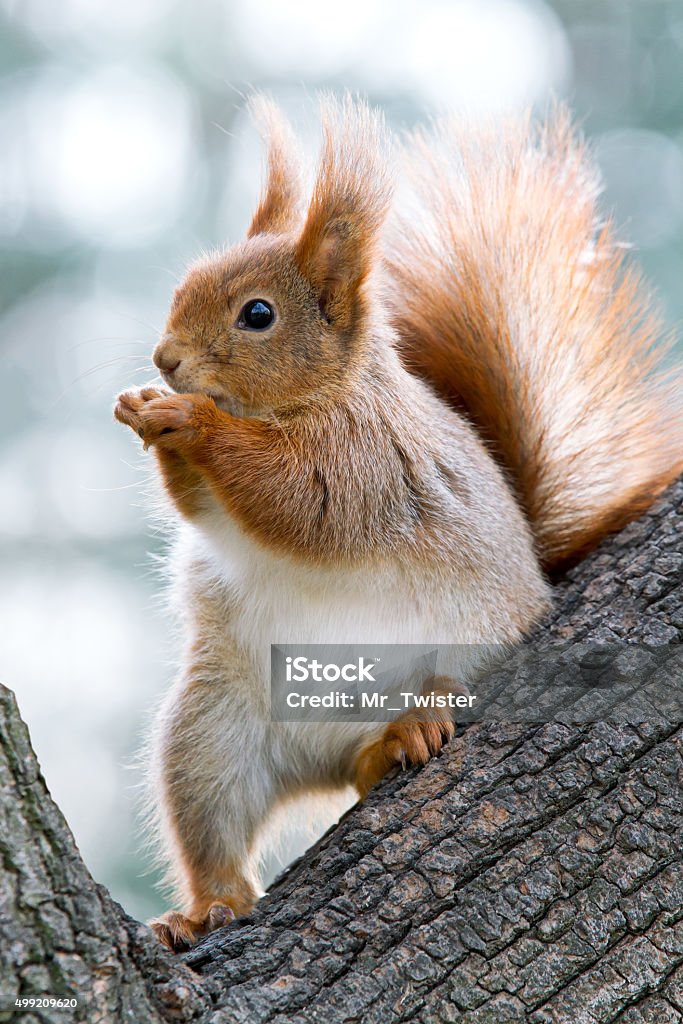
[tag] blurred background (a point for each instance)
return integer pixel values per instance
(125, 152)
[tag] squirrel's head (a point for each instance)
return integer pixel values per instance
(288, 313)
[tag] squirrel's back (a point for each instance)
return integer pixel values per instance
(511, 296)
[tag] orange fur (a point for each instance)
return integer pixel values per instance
(282, 482)
(183, 482)
(278, 208)
(510, 295)
(337, 247)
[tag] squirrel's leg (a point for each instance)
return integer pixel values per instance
(214, 789)
(414, 738)
(184, 484)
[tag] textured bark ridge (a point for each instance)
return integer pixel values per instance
(533, 872)
(61, 934)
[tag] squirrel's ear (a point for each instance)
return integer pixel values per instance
(351, 196)
(278, 208)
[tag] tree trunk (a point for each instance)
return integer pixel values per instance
(533, 872)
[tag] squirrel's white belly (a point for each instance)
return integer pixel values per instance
(276, 600)
(279, 600)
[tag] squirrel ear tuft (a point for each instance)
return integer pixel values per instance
(351, 195)
(278, 208)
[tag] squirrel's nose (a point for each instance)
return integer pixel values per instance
(165, 358)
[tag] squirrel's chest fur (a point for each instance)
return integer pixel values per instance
(257, 598)
(276, 599)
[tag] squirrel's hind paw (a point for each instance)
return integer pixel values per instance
(178, 932)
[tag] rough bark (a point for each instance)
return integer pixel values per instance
(533, 872)
(61, 934)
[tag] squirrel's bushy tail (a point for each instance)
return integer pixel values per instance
(511, 295)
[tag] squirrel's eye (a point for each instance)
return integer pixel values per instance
(256, 315)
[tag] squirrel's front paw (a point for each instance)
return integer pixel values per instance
(164, 417)
(179, 932)
(129, 405)
(410, 740)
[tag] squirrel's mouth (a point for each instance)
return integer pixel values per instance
(169, 377)
(228, 403)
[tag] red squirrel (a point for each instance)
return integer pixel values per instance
(389, 416)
